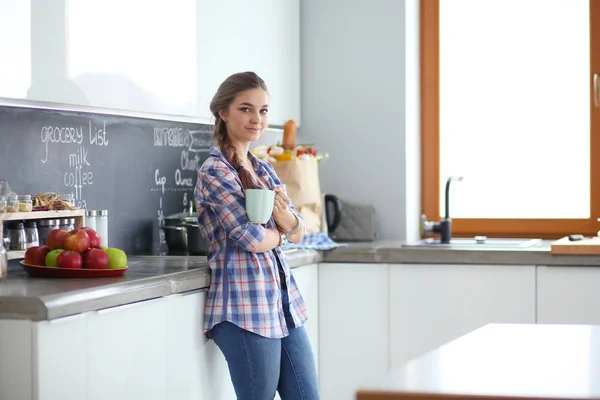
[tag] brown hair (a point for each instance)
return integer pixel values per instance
(227, 91)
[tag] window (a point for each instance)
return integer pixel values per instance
(507, 103)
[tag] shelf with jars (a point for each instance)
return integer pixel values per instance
(78, 217)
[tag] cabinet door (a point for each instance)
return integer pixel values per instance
(261, 36)
(16, 356)
(186, 375)
(127, 352)
(307, 279)
(61, 352)
(353, 327)
(568, 295)
(434, 304)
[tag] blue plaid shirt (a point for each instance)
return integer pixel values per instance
(245, 287)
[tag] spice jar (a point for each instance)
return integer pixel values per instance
(25, 203)
(2, 206)
(12, 203)
(102, 226)
(44, 228)
(68, 224)
(31, 234)
(90, 219)
(16, 233)
(3, 262)
(68, 198)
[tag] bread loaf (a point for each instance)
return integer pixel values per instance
(289, 133)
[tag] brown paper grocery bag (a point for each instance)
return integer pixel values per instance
(301, 178)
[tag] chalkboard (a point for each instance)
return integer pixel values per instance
(138, 169)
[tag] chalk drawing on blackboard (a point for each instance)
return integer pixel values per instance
(201, 140)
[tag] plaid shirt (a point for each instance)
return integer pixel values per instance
(245, 287)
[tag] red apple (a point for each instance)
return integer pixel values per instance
(56, 238)
(36, 255)
(94, 237)
(95, 259)
(69, 259)
(77, 240)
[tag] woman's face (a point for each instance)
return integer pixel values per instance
(246, 116)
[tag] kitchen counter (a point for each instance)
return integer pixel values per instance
(393, 252)
(147, 277)
(157, 276)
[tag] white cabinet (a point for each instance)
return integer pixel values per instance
(261, 36)
(196, 368)
(568, 295)
(185, 346)
(60, 347)
(353, 327)
(165, 58)
(433, 304)
(127, 352)
(16, 360)
(307, 279)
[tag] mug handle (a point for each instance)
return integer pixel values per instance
(337, 211)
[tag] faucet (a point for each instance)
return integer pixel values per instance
(443, 227)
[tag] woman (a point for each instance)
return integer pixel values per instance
(254, 311)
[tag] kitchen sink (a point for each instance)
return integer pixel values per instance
(478, 243)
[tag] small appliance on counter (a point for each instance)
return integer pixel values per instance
(348, 222)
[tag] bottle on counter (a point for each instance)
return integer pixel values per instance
(3, 261)
(102, 226)
(90, 219)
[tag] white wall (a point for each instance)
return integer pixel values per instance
(359, 74)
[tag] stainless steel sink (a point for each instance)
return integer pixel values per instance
(477, 243)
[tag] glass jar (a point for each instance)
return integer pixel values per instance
(25, 203)
(12, 203)
(31, 234)
(44, 228)
(67, 224)
(90, 219)
(68, 198)
(102, 226)
(3, 262)
(16, 234)
(2, 206)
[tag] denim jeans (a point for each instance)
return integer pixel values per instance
(259, 366)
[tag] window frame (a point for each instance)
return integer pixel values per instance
(430, 145)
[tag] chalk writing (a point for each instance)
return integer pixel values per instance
(79, 173)
(181, 181)
(172, 137)
(161, 222)
(160, 180)
(189, 163)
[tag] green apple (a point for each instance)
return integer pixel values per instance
(51, 257)
(116, 258)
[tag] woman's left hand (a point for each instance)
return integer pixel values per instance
(282, 203)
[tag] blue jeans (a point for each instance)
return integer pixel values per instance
(259, 366)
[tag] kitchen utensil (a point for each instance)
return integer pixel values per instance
(182, 234)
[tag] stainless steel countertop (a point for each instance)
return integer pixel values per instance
(150, 277)
(393, 252)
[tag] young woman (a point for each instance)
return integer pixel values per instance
(254, 311)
